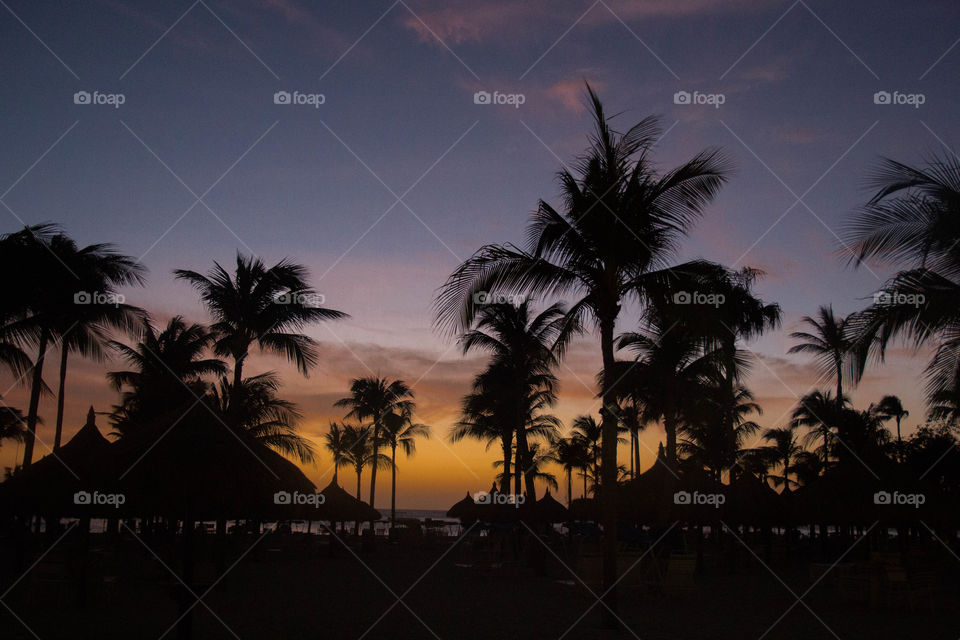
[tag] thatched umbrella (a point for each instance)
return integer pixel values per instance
(200, 469)
(72, 481)
(753, 502)
(340, 506)
(465, 510)
(547, 509)
(648, 499)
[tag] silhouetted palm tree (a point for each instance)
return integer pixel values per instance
(619, 227)
(333, 441)
(83, 326)
(709, 440)
(520, 347)
(261, 305)
(945, 405)
(359, 451)
(831, 342)
(818, 412)
(571, 453)
(260, 414)
(399, 430)
(782, 453)
(534, 470)
(911, 223)
(372, 399)
(589, 433)
(890, 407)
(61, 279)
(12, 424)
(167, 372)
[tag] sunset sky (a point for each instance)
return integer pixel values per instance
(398, 175)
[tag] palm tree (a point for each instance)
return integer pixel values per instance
(671, 367)
(570, 453)
(399, 430)
(818, 411)
(261, 305)
(263, 416)
(334, 442)
(167, 373)
(619, 227)
(711, 441)
(945, 405)
(12, 424)
(891, 407)
(520, 347)
(372, 399)
(83, 326)
(589, 433)
(534, 471)
(60, 276)
(359, 451)
(782, 453)
(910, 222)
(831, 342)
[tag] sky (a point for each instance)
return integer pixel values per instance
(165, 129)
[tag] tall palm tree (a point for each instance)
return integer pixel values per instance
(781, 453)
(359, 451)
(911, 223)
(589, 433)
(400, 431)
(83, 326)
(262, 415)
(519, 343)
(261, 305)
(336, 444)
(818, 411)
(167, 374)
(890, 407)
(618, 228)
(831, 342)
(60, 279)
(709, 440)
(372, 399)
(570, 453)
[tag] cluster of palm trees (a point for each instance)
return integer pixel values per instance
(613, 241)
(384, 411)
(67, 299)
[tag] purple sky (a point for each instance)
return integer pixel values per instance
(398, 175)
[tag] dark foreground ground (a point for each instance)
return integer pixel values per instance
(424, 591)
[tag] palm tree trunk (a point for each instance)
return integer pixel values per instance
(608, 484)
(670, 427)
(237, 373)
(636, 452)
(507, 441)
(64, 352)
(36, 386)
(517, 470)
(569, 486)
(523, 454)
(584, 482)
(359, 473)
(393, 485)
(633, 471)
(376, 453)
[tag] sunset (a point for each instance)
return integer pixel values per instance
(606, 310)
